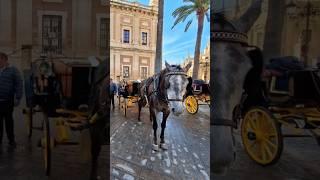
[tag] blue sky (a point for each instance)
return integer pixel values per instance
(177, 44)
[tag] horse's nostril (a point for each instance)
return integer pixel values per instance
(172, 109)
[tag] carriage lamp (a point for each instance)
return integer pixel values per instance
(295, 11)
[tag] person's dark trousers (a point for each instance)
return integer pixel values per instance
(6, 113)
(112, 99)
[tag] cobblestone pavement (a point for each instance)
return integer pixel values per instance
(131, 147)
(300, 160)
(26, 161)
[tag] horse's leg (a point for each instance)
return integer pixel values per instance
(163, 127)
(140, 107)
(155, 127)
(95, 151)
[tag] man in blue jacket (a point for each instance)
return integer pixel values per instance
(113, 91)
(10, 96)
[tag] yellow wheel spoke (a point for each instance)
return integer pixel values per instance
(252, 124)
(262, 151)
(268, 150)
(274, 146)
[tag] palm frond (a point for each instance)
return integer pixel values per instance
(192, 1)
(188, 25)
(182, 16)
(181, 10)
(208, 16)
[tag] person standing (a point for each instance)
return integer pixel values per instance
(113, 91)
(10, 96)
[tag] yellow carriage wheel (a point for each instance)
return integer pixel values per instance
(191, 104)
(261, 136)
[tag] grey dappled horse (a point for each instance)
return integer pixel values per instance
(164, 92)
(229, 66)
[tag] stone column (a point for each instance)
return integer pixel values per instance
(5, 22)
(24, 22)
(82, 27)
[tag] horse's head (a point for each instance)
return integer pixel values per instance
(175, 84)
(229, 66)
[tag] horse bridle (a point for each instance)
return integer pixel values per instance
(173, 73)
(229, 37)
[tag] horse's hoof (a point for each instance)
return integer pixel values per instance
(164, 146)
(155, 147)
(139, 123)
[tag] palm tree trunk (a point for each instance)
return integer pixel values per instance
(158, 60)
(274, 27)
(197, 48)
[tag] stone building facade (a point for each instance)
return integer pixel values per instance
(204, 66)
(293, 33)
(67, 29)
(133, 30)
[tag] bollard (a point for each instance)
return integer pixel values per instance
(63, 133)
(85, 146)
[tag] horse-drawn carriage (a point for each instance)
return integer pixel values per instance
(199, 95)
(292, 110)
(128, 94)
(60, 90)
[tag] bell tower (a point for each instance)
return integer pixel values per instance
(154, 4)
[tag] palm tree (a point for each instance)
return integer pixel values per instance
(158, 60)
(200, 8)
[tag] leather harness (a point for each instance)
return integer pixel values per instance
(228, 37)
(156, 86)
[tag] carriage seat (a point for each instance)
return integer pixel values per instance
(279, 80)
(306, 87)
(301, 87)
(199, 86)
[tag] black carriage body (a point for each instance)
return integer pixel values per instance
(80, 88)
(68, 86)
(200, 87)
(298, 87)
(42, 89)
(126, 90)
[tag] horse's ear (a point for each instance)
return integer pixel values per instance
(246, 21)
(167, 64)
(187, 67)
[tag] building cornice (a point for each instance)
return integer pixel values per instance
(122, 49)
(134, 7)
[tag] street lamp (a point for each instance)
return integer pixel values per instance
(294, 12)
